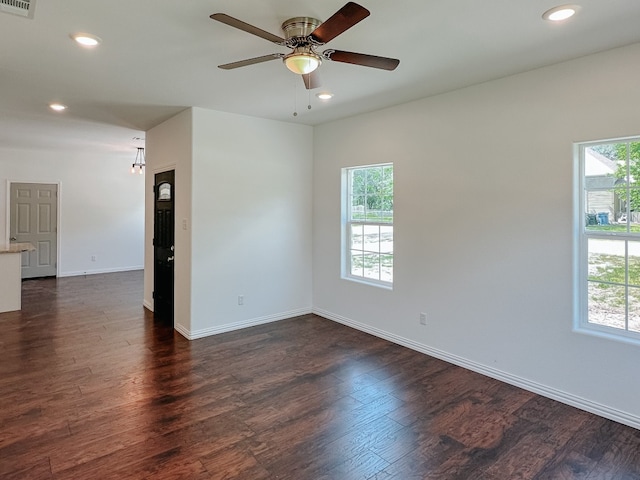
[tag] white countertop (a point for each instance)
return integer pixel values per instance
(16, 247)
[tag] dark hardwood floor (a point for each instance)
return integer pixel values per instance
(91, 388)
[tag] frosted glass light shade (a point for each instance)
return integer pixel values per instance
(302, 63)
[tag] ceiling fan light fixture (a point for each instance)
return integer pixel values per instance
(560, 13)
(324, 95)
(303, 35)
(302, 63)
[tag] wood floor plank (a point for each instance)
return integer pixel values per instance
(92, 387)
(235, 462)
(34, 470)
(566, 465)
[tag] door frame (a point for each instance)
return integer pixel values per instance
(149, 267)
(59, 215)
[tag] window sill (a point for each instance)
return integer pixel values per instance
(371, 283)
(608, 334)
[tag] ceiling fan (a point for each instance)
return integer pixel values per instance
(303, 35)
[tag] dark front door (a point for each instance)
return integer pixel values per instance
(163, 247)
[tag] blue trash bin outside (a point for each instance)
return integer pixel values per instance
(603, 218)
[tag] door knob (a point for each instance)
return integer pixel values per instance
(170, 259)
(13, 239)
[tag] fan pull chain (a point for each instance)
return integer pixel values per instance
(309, 92)
(295, 100)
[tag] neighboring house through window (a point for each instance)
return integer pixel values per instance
(608, 243)
(367, 252)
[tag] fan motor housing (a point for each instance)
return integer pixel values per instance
(299, 27)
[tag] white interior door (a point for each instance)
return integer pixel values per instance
(34, 219)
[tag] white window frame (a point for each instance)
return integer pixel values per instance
(581, 262)
(347, 223)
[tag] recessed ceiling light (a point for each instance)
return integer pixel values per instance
(86, 39)
(324, 95)
(560, 13)
(58, 107)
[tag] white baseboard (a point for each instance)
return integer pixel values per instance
(229, 327)
(182, 330)
(540, 389)
(100, 270)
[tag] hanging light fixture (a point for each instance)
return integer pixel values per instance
(303, 60)
(139, 162)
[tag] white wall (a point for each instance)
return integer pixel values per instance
(251, 220)
(484, 226)
(101, 205)
(248, 223)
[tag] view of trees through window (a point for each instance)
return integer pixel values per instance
(612, 235)
(370, 222)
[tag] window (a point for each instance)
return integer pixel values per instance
(164, 191)
(608, 250)
(368, 224)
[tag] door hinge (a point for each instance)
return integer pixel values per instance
(153, 294)
(154, 189)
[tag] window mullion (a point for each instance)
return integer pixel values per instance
(626, 243)
(628, 187)
(626, 285)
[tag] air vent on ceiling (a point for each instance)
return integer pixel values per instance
(24, 8)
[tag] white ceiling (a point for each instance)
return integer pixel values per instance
(159, 56)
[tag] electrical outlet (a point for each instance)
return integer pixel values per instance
(423, 318)
(240, 299)
(93, 258)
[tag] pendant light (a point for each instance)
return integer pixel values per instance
(139, 163)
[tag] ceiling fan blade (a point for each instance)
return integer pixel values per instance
(363, 59)
(251, 61)
(341, 21)
(311, 80)
(245, 27)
